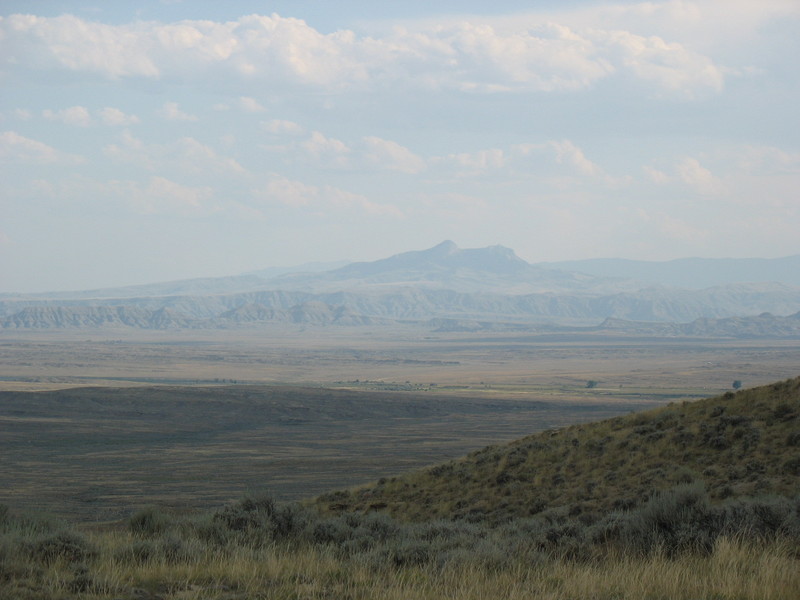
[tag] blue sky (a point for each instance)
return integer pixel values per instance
(150, 141)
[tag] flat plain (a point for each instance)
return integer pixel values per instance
(96, 424)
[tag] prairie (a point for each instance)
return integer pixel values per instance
(163, 468)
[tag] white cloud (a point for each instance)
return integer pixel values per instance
(328, 151)
(471, 55)
(165, 196)
(74, 115)
(689, 172)
(322, 200)
(172, 112)
(23, 114)
(187, 154)
(278, 126)
(568, 153)
(672, 68)
(561, 162)
(656, 176)
(114, 116)
(391, 155)
(155, 196)
(197, 157)
(15, 148)
(250, 104)
(765, 160)
(692, 173)
(702, 23)
(475, 163)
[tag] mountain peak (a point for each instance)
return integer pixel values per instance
(445, 248)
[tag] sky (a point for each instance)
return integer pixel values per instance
(158, 140)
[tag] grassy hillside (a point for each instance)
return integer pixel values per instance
(569, 514)
(739, 444)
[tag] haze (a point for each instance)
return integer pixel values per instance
(153, 141)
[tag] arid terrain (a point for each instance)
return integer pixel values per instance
(195, 419)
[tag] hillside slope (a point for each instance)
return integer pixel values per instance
(741, 444)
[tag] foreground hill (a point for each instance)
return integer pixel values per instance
(741, 444)
(675, 543)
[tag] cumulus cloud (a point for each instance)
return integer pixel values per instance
(692, 173)
(391, 155)
(558, 161)
(172, 112)
(163, 195)
(15, 148)
(279, 126)
(250, 104)
(328, 151)
(187, 154)
(321, 199)
(671, 68)
(74, 115)
(155, 196)
(689, 172)
(765, 160)
(568, 153)
(474, 163)
(471, 56)
(114, 116)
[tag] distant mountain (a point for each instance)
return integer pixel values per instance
(72, 317)
(200, 286)
(312, 313)
(248, 282)
(764, 325)
(312, 267)
(495, 269)
(692, 273)
(443, 287)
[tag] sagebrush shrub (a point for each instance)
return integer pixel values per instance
(66, 545)
(149, 521)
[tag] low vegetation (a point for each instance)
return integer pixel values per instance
(738, 444)
(731, 533)
(677, 545)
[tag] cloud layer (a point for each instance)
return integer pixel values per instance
(474, 57)
(652, 129)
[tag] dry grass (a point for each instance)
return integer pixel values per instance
(736, 570)
(740, 445)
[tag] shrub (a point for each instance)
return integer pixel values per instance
(148, 521)
(259, 519)
(248, 514)
(65, 545)
(211, 531)
(288, 521)
(675, 521)
(138, 552)
(82, 580)
(764, 518)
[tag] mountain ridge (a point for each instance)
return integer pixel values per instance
(483, 285)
